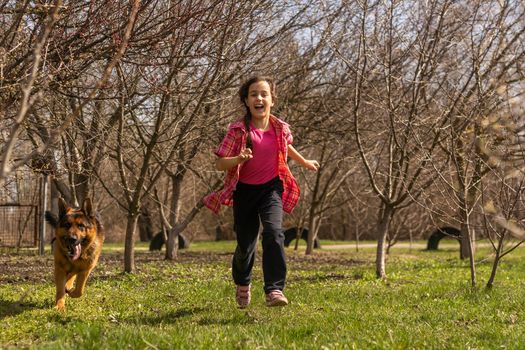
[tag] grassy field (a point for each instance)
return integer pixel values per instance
(336, 303)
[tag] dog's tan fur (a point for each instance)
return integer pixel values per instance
(76, 248)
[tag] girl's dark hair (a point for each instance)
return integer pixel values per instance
(243, 95)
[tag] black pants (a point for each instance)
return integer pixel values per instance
(255, 204)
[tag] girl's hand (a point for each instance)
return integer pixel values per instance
(311, 164)
(245, 155)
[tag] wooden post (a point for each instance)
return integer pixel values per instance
(43, 208)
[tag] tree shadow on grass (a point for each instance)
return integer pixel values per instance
(237, 319)
(60, 318)
(13, 308)
(326, 277)
(200, 314)
(168, 317)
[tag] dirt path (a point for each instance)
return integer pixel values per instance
(373, 245)
(26, 266)
(397, 246)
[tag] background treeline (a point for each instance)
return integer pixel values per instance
(413, 108)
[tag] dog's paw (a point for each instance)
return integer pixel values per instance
(61, 306)
(75, 293)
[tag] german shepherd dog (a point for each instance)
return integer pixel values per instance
(76, 248)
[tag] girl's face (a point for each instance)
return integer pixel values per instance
(259, 100)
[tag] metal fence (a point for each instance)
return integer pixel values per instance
(18, 226)
(19, 209)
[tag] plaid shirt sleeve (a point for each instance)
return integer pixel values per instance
(291, 191)
(228, 146)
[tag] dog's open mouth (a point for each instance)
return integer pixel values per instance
(74, 249)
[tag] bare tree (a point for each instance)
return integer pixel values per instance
(18, 61)
(500, 214)
(489, 47)
(503, 188)
(329, 179)
(395, 63)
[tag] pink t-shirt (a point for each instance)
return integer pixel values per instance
(263, 166)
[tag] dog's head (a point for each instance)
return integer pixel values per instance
(74, 227)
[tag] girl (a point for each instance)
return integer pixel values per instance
(260, 186)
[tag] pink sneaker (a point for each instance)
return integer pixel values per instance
(243, 296)
(276, 298)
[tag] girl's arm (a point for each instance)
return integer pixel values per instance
(306, 163)
(226, 163)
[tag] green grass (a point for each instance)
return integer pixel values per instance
(336, 303)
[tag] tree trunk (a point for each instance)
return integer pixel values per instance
(129, 248)
(357, 234)
(179, 224)
(466, 245)
(312, 232)
(299, 226)
(463, 249)
(466, 201)
(344, 219)
(495, 264)
(172, 245)
(382, 232)
(145, 225)
(298, 234)
(468, 241)
(219, 235)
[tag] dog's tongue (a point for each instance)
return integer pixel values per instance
(77, 248)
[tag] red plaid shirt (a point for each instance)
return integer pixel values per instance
(231, 146)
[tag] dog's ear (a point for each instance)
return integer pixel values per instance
(87, 208)
(62, 207)
(51, 218)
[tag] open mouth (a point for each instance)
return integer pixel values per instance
(259, 108)
(74, 249)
